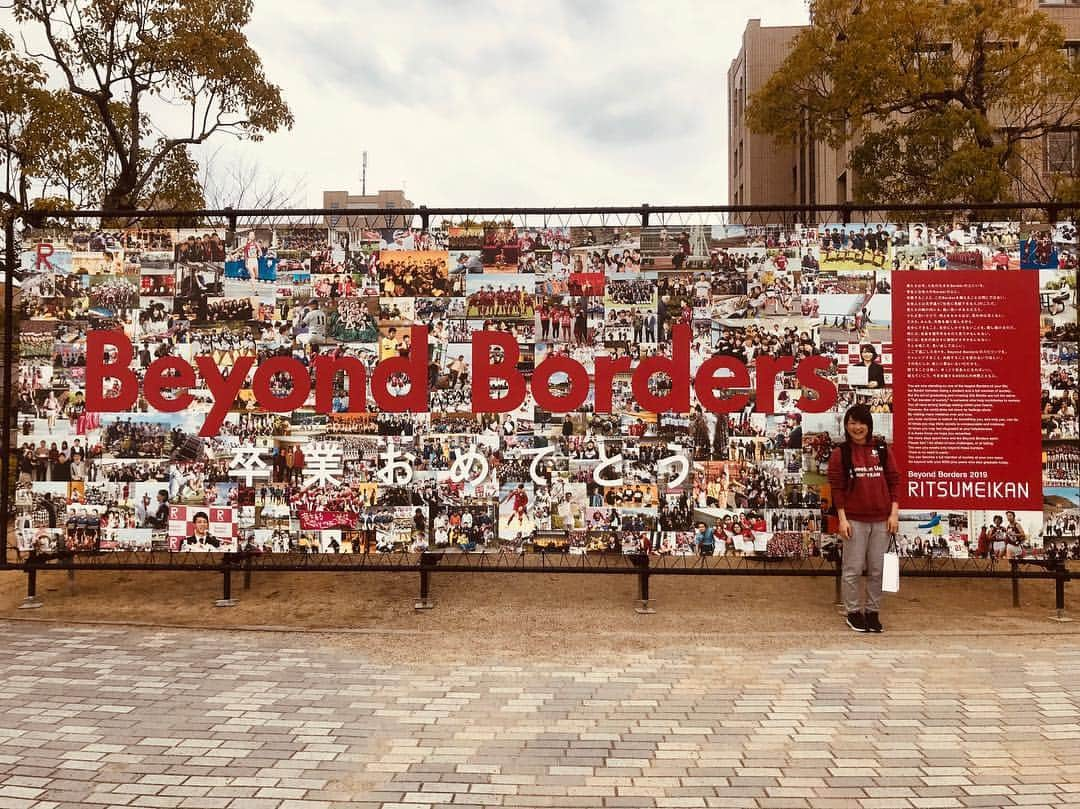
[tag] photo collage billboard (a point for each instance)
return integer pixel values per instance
(962, 340)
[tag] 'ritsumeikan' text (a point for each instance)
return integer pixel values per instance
(968, 488)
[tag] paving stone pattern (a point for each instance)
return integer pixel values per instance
(238, 720)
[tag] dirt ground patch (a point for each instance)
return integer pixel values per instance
(537, 617)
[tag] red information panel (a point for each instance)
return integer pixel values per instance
(966, 352)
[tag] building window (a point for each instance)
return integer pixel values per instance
(929, 54)
(1063, 151)
(1072, 54)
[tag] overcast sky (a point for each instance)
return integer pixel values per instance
(501, 102)
(492, 102)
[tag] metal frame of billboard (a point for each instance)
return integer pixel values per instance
(425, 564)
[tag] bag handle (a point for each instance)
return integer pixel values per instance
(892, 544)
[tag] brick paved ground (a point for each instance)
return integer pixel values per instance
(110, 716)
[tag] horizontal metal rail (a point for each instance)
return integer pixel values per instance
(229, 213)
(532, 562)
(643, 567)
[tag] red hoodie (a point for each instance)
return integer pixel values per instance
(873, 491)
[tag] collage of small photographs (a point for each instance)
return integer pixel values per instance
(529, 480)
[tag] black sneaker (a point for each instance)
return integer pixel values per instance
(873, 623)
(856, 621)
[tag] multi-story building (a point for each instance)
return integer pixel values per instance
(356, 202)
(764, 170)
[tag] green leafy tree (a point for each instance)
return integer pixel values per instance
(940, 102)
(175, 185)
(129, 65)
(21, 83)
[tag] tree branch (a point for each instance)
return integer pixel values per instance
(100, 98)
(173, 143)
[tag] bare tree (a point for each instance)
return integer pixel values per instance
(241, 182)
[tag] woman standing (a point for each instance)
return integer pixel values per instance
(863, 479)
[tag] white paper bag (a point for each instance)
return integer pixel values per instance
(890, 573)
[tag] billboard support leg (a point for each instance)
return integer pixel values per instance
(31, 601)
(226, 599)
(1015, 565)
(8, 381)
(427, 562)
(643, 587)
(247, 571)
(1060, 577)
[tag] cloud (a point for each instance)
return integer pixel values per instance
(429, 70)
(504, 102)
(628, 109)
(509, 103)
(590, 13)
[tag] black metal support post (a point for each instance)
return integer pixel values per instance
(645, 215)
(9, 339)
(641, 562)
(427, 564)
(226, 599)
(838, 581)
(247, 571)
(231, 215)
(425, 217)
(1061, 575)
(31, 601)
(1015, 565)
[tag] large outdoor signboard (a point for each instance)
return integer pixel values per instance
(493, 388)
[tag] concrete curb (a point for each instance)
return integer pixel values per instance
(1038, 630)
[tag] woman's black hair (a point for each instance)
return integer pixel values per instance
(864, 348)
(860, 413)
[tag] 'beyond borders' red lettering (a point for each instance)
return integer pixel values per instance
(172, 374)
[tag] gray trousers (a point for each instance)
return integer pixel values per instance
(865, 551)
